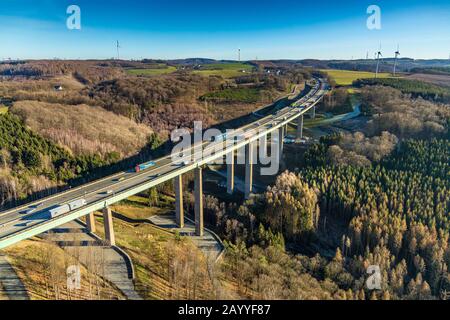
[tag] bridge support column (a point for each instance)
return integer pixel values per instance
(314, 112)
(179, 209)
(248, 170)
(300, 127)
(198, 186)
(109, 228)
(230, 173)
(90, 222)
(281, 141)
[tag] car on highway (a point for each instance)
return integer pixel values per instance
(30, 210)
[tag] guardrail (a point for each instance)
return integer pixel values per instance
(142, 186)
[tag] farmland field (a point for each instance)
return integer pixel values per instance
(226, 70)
(248, 95)
(346, 78)
(158, 70)
(3, 109)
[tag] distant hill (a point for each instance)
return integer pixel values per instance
(192, 61)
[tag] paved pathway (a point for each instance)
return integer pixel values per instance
(90, 251)
(12, 286)
(209, 243)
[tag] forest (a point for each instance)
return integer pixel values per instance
(414, 87)
(341, 219)
(364, 198)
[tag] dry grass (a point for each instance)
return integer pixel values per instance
(437, 79)
(136, 207)
(43, 89)
(83, 129)
(165, 265)
(45, 277)
(2, 295)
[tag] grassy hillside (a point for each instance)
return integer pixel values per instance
(165, 263)
(30, 163)
(42, 268)
(84, 129)
(346, 78)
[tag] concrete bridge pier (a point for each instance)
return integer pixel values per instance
(230, 173)
(248, 170)
(90, 222)
(179, 209)
(300, 127)
(198, 192)
(109, 228)
(314, 112)
(281, 141)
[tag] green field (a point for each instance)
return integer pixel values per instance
(226, 70)
(247, 95)
(346, 78)
(156, 71)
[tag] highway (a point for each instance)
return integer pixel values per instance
(32, 219)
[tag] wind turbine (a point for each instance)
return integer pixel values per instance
(118, 47)
(397, 54)
(378, 55)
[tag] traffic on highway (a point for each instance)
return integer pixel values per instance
(48, 213)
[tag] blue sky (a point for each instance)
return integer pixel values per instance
(267, 29)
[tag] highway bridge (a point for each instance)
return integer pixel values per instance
(32, 219)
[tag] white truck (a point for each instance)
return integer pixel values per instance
(60, 210)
